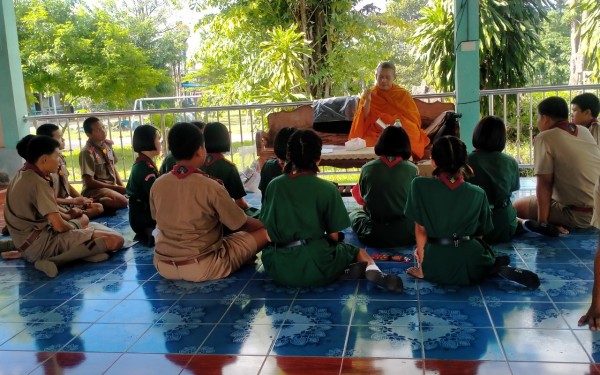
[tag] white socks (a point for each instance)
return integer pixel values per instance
(372, 267)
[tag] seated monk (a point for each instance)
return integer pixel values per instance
(388, 102)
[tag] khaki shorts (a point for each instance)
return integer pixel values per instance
(561, 214)
(96, 194)
(238, 248)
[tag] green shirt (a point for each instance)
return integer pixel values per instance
(167, 164)
(143, 174)
(496, 173)
(270, 170)
(227, 172)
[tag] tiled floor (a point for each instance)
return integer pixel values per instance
(120, 317)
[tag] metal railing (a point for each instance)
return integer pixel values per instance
(515, 106)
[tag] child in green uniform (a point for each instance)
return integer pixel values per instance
(169, 161)
(218, 141)
(497, 174)
(274, 167)
(450, 217)
(383, 186)
(146, 142)
(302, 214)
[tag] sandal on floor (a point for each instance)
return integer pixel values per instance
(382, 257)
(386, 281)
(545, 229)
(520, 276)
(400, 258)
(354, 271)
(411, 272)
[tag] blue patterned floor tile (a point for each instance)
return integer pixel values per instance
(56, 290)
(569, 291)
(563, 272)
(139, 255)
(47, 337)
(548, 255)
(30, 274)
(182, 338)
(9, 273)
(526, 315)
(240, 338)
(454, 314)
(247, 271)
(461, 343)
(320, 312)
(502, 290)
(6, 301)
(82, 278)
(590, 340)
(161, 289)
(30, 311)
(541, 345)
(572, 312)
(337, 290)
(386, 313)
(110, 338)
(256, 289)
(515, 257)
(129, 272)
(137, 311)
(259, 311)
(368, 290)
(109, 289)
(375, 341)
(533, 241)
(9, 330)
(194, 311)
(434, 292)
(15, 289)
(215, 289)
(314, 340)
(85, 311)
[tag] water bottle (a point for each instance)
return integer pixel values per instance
(398, 123)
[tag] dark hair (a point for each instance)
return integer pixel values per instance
(217, 137)
(46, 129)
(199, 124)
(393, 141)
(490, 134)
(87, 124)
(184, 140)
(586, 101)
(386, 65)
(22, 145)
(281, 142)
(143, 138)
(303, 152)
(554, 107)
(450, 155)
(40, 145)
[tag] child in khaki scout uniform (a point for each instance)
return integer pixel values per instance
(33, 218)
(146, 142)
(451, 215)
(69, 199)
(592, 317)
(497, 174)
(303, 215)
(218, 141)
(584, 111)
(274, 167)
(383, 186)
(191, 208)
(169, 161)
(567, 164)
(97, 160)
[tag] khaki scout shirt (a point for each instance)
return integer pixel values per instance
(93, 162)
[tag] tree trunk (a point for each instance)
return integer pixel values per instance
(577, 62)
(305, 62)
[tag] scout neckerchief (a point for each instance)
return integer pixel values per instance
(212, 158)
(32, 167)
(300, 173)
(143, 158)
(568, 127)
(390, 161)
(181, 172)
(452, 181)
(95, 150)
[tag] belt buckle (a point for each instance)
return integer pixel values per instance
(456, 240)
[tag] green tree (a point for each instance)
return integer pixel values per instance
(551, 67)
(509, 37)
(590, 35)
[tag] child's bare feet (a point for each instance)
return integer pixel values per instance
(415, 272)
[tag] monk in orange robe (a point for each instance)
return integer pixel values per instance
(388, 102)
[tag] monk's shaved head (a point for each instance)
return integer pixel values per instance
(386, 65)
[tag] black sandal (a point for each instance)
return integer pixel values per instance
(545, 229)
(386, 281)
(354, 271)
(520, 276)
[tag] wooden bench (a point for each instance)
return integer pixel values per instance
(432, 115)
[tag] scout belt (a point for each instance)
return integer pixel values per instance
(455, 240)
(581, 209)
(29, 241)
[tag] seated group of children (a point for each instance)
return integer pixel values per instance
(203, 228)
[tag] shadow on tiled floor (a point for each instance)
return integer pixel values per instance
(119, 316)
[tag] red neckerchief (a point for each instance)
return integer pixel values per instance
(298, 174)
(182, 172)
(568, 127)
(452, 181)
(32, 167)
(95, 149)
(212, 158)
(143, 158)
(390, 163)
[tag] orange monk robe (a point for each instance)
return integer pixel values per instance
(395, 103)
